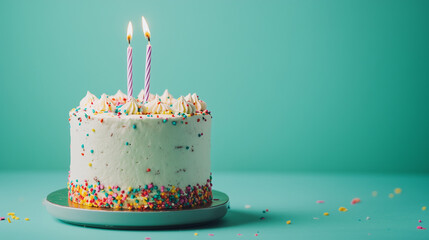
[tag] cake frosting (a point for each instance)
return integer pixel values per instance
(126, 153)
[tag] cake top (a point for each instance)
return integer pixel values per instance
(122, 105)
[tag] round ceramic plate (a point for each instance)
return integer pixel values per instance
(60, 207)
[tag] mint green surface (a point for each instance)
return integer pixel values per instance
(287, 197)
(333, 85)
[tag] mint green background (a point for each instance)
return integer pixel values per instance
(293, 85)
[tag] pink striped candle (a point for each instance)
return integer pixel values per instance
(146, 32)
(147, 72)
(129, 61)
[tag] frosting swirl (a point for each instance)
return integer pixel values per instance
(199, 104)
(104, 104)
(141, 96)
(130, 107)
(182, 106)
(157, 107)
(88, 100)
(119, 98)
(167, 98)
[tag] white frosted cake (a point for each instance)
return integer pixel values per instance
(126, 153)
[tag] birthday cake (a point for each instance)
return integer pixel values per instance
(129, 153)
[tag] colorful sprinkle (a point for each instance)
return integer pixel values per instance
(92, 151)
(126, 143)
(320, 201)
(8, 219)
(2, 218)
(424, 208)
(288, 222)
(26, 219)
(398, 190)
(173, 122)
(134, 126)
(93, 130)
(247, 206)
(342, 209)
(326, 214)
(195, 234)
(355, 200)
(420, 227)
(374, 193)
(148, 170)
(391, 195)
(90, 164)
(211, 234)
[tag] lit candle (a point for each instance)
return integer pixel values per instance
(129, 61)
(148, 60)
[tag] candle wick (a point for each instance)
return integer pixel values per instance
(129, 41)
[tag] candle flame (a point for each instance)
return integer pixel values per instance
(129, 32)
(146, 30)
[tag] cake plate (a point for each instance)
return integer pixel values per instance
(59, 206)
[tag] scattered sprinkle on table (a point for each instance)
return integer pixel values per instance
(247, 206)
(420, 227)
(196, 234)
(398, 190)
(355, 200)
(420, 221)
(211, 234)
(320, 201)
(342, 209)
(288, 222)
(391, 195)
(326, 214)
(8, 219)
(147, 238)
(2, 218)
(424, 208)
(26, 219)
(256, 234)
(374, 193)
(368, 218)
